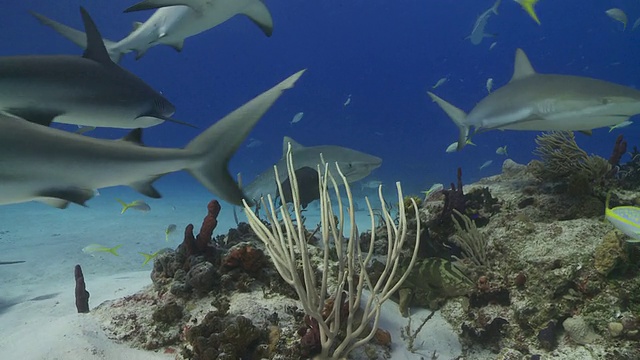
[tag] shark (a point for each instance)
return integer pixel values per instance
(477, 33)
(87, 90)
(171, 23)
(57, 167)
(545, 102)
(355, 165)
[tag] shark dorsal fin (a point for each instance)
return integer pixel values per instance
(285, 144)
(522, 67)
(95, 50)
(136, 26)
(134, 137)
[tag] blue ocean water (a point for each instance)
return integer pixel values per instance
(384, 54)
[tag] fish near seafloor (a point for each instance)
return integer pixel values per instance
(172, 23)
(545, 102)
(57, 167)
(625, 219)
(477, 33)
(89, 90)
(139, 205)
(355, 165)
(96, 248)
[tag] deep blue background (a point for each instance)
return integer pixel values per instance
(387, 54)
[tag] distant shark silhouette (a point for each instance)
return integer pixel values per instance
(58, 167)
(90, 90)
(172, 23)
(545, 102)
(11, 262)
(355, 165)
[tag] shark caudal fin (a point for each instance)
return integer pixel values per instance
(78, 37)
(216, 145)
(458, 116)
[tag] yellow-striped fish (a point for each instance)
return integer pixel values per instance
(625, 219)
(149, 257)
(529, 7)
(136, 205)
(94, 248)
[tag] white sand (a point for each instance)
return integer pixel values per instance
(51, 240)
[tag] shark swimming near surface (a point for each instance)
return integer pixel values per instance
(89, 90)
(172, 23)
(57, 167)
(355, 165)
(477, 33)
(545, 102)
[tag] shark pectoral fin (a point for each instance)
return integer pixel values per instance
(457, 116)
(213, 148)
(145, 187)
(295, 146)
(177, 45)
(38, 116)
(155, 4)
(61, 197)
(260, 15)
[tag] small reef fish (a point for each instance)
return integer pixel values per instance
(618, 15)
(296, 118)
(625, 219)
(502, 150)
(149, 257)
(139, 205)
(486, 164)
(635, 24)
(489, 85)
(348, 101)
(453, 147)
(432, 190)
(95, 248)
(493, 44)
(529, 7)
(477, 33)
(440, 82)
(168, 231)
(621, 125)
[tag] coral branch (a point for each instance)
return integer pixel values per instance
(82, 295)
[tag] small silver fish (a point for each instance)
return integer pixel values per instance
(297, 117)
(493, 44)
(621, 125)
(635, 24)
(489, 85)
(348, 101)
(486, 163)
(502, 150)
(440, 82)
(253, 143)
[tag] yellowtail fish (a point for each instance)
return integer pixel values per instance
(433, 189)
(136, 205)
(618, 15)
(453, 147)
(149, 257)
(529, 7)
(621, 125)
(625, 219)
(486, 164)
(95, 248)
(502, 150)
(168, 231)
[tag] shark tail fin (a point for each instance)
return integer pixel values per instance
(495, 7)
(114, 250)
(215, 146)
(457, 116)
(78, 37)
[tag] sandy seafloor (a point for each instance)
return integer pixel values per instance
(38, 319)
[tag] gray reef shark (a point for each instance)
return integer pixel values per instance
(477, 34)
(355, 165)
(88, 90)
(172, 23)
(545, 102)
(58, 167)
